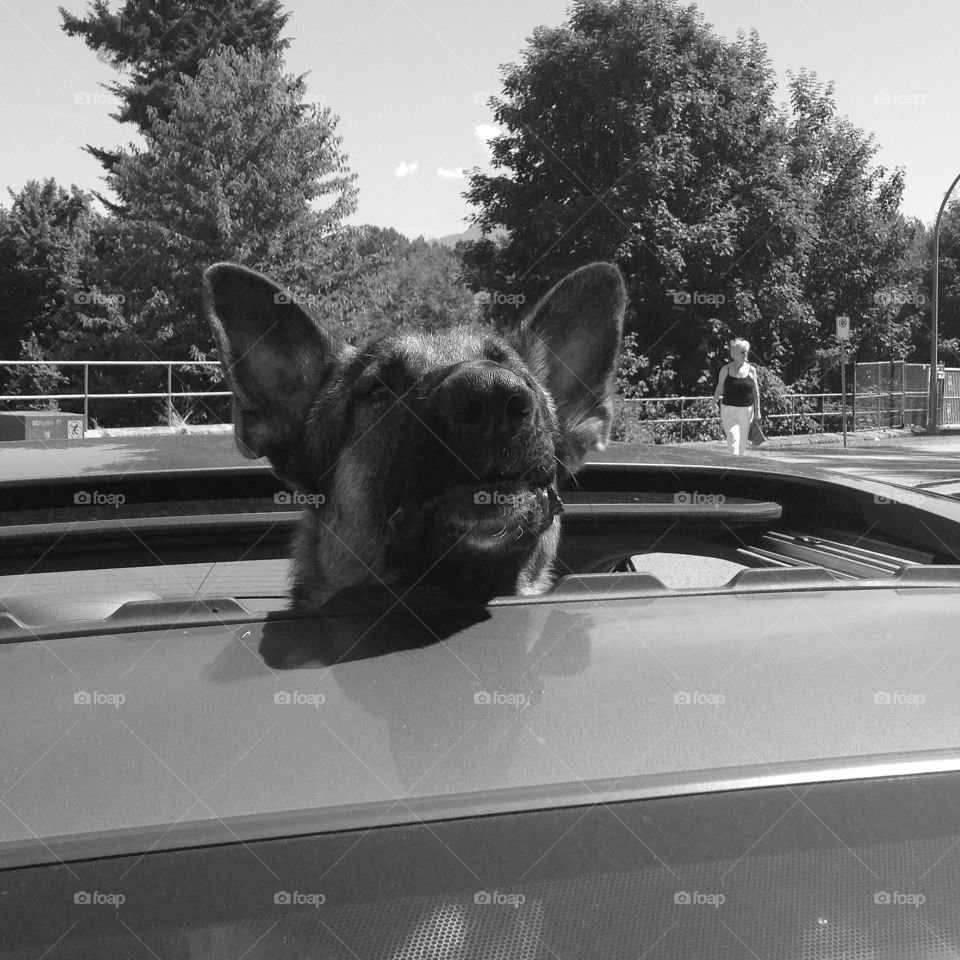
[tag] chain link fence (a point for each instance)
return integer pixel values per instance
(891, 393)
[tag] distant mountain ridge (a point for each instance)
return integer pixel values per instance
(471, 233)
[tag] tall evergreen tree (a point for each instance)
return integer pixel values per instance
(242, 169)
(153, 42)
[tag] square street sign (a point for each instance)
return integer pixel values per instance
(843, 326)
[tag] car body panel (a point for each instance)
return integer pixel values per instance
(611, 687)
(835, 869)
(539, 694)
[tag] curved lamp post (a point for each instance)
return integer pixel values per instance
(933, 404)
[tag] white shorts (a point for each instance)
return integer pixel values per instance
(736, 426)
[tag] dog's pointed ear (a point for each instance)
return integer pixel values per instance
(274, 358)
(571, 342)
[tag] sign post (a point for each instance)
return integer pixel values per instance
(843, 335)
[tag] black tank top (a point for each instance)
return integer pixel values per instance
(738, 391)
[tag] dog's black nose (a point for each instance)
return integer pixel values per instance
(485, 400)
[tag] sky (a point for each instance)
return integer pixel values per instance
(409, 80)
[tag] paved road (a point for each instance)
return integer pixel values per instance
(920, 460)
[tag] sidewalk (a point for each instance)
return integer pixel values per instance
(199, 430)
(863, 438)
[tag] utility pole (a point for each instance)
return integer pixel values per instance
(933, 403)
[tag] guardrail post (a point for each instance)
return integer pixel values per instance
(86, 396)
(681, 419)
(169, 394)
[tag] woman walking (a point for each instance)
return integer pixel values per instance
(739, 396)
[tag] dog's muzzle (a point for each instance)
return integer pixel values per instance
(483, 515)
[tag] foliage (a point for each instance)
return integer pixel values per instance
(634, 133)
(153, 44)
(46, 253)
(783, 414)
(654, 420)
(404, 285)
(49, 269)
(242, 170)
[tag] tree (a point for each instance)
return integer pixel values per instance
(155, 41)
(48, 273)
(242, 170)
(634, 133)
(856, 235)
(405, 285)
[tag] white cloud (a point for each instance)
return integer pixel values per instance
(404, 169)
(486, 131)
(457, 174)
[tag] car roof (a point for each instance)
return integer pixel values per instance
(772, 679)
(536, 703)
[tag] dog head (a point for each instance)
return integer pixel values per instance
(432, 460)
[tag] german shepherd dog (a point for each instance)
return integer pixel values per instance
(429, 462)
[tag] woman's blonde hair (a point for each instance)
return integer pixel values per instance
(740, 342)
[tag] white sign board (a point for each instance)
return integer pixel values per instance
(843, 327)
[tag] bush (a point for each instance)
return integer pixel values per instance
(635, 421)
(640, 418)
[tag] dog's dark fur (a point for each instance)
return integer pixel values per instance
(432, 460)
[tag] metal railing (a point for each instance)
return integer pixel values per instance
(822, 407)
(169, 394)
(810, 406)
